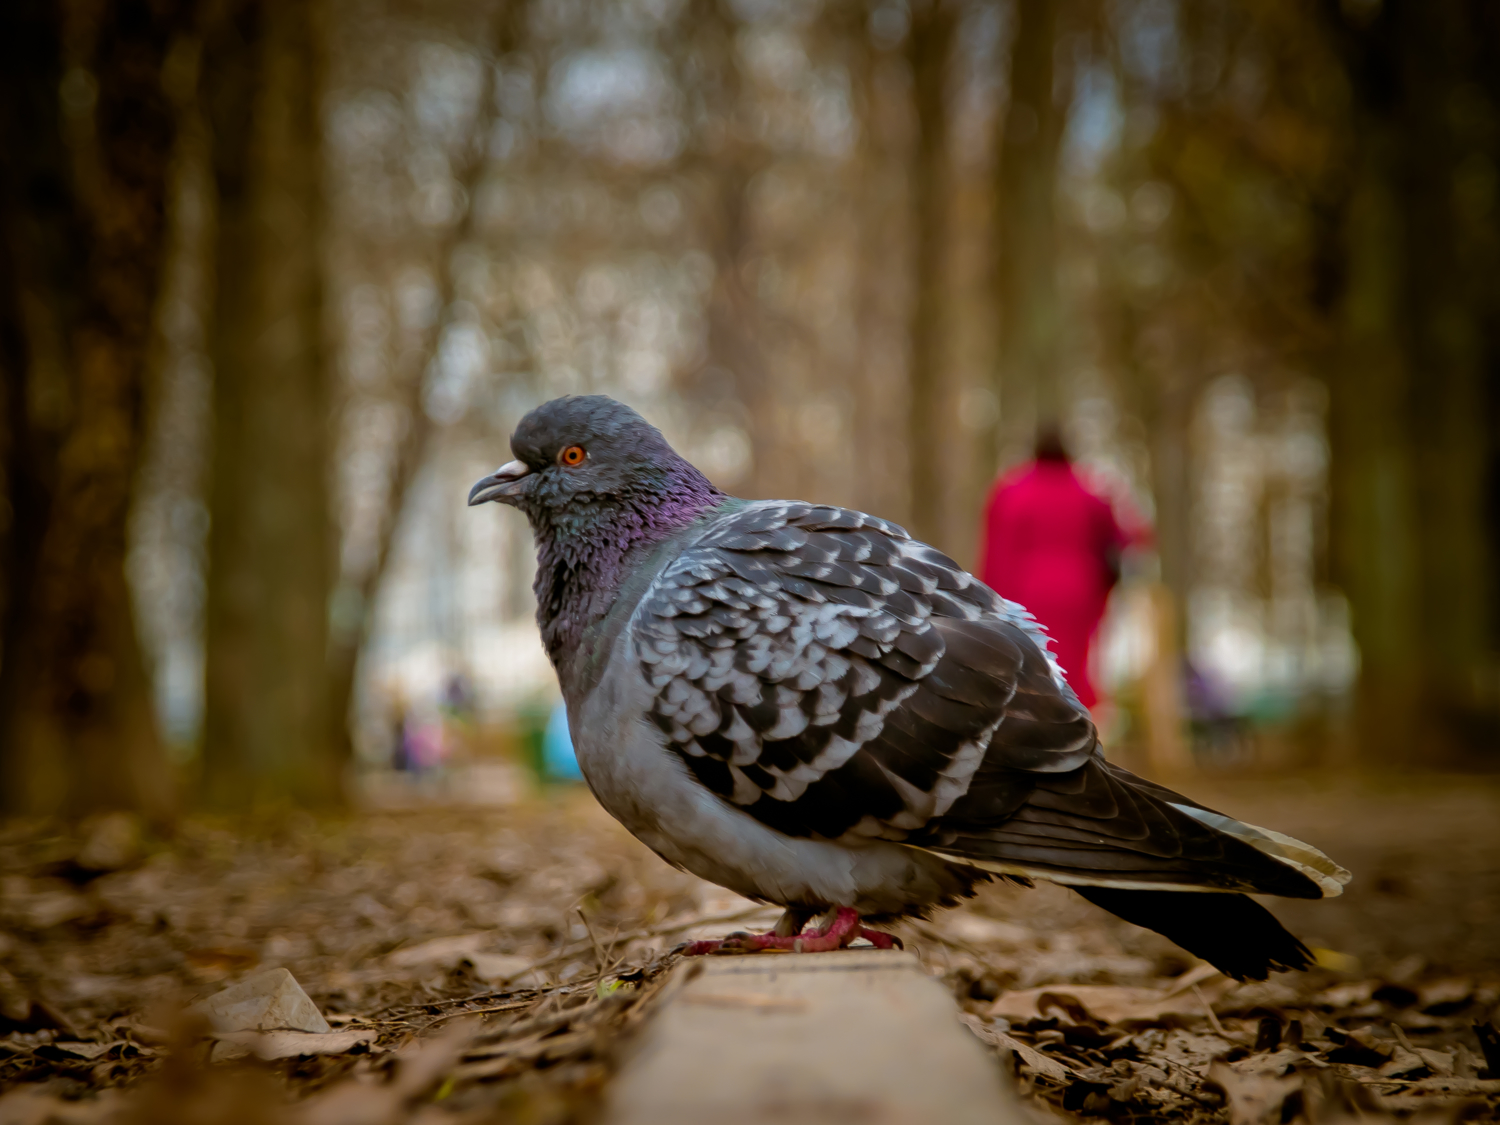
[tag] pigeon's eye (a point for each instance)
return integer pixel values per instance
(572, 456)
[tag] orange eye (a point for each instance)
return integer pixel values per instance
(572, 456)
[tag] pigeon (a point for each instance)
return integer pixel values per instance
(805, 705)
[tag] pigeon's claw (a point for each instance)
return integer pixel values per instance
(698, 948)
(842, 929)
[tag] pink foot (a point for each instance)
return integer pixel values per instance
(843, 929)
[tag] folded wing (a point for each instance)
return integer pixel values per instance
(820, 670)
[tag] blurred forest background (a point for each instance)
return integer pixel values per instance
(277, 280)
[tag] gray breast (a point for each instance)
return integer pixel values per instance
(646, 787)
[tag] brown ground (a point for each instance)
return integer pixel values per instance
(547, 921)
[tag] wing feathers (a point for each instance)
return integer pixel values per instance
(788, 625)
(829, 676)
(1095, 825)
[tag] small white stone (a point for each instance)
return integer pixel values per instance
(267, 1001)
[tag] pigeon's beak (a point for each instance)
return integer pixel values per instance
(502, 484)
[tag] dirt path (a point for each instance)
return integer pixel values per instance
(1425, 854)
(485, 960)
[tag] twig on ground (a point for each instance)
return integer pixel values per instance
(1212, 1017)
(478, 1012)
(599, 954)
(652, 931)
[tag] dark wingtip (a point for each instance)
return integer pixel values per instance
(1233, 933)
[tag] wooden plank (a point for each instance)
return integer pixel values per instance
(809, 1039)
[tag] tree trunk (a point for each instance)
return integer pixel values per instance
(1027, 298)
(735, 331)
(882, 480)
(86, 182)
(266, 729)
(1411, 437)
(931, 416)
(726, 158)
(1453, 436)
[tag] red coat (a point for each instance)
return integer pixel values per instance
(1048, 544)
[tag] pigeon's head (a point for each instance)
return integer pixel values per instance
(585, 456)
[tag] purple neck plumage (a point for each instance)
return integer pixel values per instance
(586, 551)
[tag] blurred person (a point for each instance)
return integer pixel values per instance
(397, 713)
(423, 742)
(457, 710)
(458, 698)
(1053, 546)
(1221, 733)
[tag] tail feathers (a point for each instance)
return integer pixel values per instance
(1329, 877)
(1101, 826)
(1233, 933)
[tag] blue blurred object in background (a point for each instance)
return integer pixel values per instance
(559, 763)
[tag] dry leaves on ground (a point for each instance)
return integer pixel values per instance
(474, 964)
(465, 961)
(1199, 1047)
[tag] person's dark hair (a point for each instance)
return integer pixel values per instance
(1049, 444)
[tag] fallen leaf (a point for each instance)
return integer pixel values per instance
(1044, 1065)
(418, 1067)
(1448, 990)
(53, 908)
(1441, 1062)
(497, 968)
(1108, 1004)
(1403, 1062)
(439, 953)
(22, 1013)
(73, 1050)
(1460, 1087)
(498, 1061)
(1251, 1098)
(1277, 1063)
(980, 930)
(1347, 994)
(270, 1045)
(111, 841)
